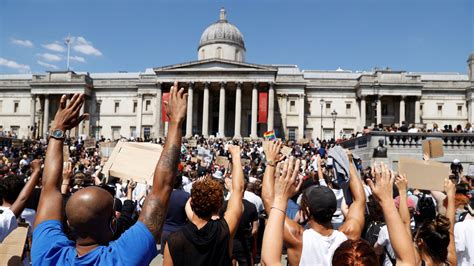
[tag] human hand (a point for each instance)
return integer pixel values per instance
(35, 165)
(131, 186)
(287, 183)
(67, 116)
(272, 151)
(384, 179)
(449, 188)
(234, 150)
(176, 104)
(426, 156)
(401, 182)
(67, 171)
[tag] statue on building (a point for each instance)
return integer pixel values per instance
(380, 151)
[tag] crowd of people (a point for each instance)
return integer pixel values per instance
(274, 202)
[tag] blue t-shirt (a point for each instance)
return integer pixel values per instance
(52, 247)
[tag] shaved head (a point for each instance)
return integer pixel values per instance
(89, 212)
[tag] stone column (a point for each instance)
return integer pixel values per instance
(32, 116)
(253, 126)
(379, 110)
(363, 112)
(417, 111)
(402, 109)
(221, 129)
(189, 112)
(301, 117)
(284, 104)
(271, 107)
(158, 111)
(139, 115)
(46, 116)
(81, 125)
(238, 110)
(205, 111)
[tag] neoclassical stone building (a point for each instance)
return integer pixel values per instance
(231, 97)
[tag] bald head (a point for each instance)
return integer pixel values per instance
(89, 211)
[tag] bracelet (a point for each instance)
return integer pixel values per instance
(64, 184)
(282, 211)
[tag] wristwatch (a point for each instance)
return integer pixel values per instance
(270, 163)
(57, 134)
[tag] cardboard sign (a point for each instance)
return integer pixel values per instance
(433, 147)
(11, 249)
(303, 141)
(205, 154)
(245, 162)
(65, 153)
(192, 143)
(133, 161)
(222, 161)
(106, 149)
(285, 150)
(421, 174)
(194, 159)
(89, 144)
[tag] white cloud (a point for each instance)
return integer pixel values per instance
(24, 43)
(41, 63)
(50, 57)
(55, 46)
(12, 64)
(77, 59)
(81, 45)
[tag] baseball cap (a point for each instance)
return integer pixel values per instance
(321, 201)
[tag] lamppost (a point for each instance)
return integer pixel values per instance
(321, 102)
(334, 117)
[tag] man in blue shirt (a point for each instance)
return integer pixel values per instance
(90, 211)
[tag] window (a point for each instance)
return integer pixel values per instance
(15, 107)
(133, 132)
(147, 105)
(146, 132)
(440, 109)
(348, 108)
(237, 55)
(97, 107)
(459, 110)
(116, 133)
(116, 107)
(134, 107)
(97, 131)
(219, 52)
(328, 108)
(15, 130)
(203, 54)
(308, 133)
(292, 133)
(292, 106)
(1, 105)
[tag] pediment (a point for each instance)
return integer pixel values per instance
(211, 65)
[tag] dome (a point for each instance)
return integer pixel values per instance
(222, 32)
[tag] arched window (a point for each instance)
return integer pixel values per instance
(203, 54)
(219, 52)
(237, 55)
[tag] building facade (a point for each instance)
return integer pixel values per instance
(224, 92)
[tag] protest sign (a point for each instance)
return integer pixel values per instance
(11, 249)
(421, 174)
(245, 162)
(89, 144)
(106, 149)
(285, 150)
(192, 143)
(303, 141)
(65, 153)
(222, 161)
(205, 154)
(133, 161)
(433, 147)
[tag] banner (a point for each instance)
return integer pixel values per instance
(165, 98)
(262, 107)
(269, 135)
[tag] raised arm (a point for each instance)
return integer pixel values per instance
(402, 184)
(50, 205)
(234, 206)
(156, 203)
(399, 237)
(286, 185)
(19, 205)
(272, 156)
(450, 189)
(354, 223)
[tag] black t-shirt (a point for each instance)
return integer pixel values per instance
(176, 215)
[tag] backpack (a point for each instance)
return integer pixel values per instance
(425, 209)
(372, 233)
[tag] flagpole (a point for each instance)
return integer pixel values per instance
(68, 44)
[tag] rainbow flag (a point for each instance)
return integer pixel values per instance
(270, 135)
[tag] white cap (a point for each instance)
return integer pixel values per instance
(456, 161)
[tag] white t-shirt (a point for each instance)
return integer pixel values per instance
(8, 222)
(27, 214)
(384, 241)
(464, 241)
(256, 200)
(318, 249)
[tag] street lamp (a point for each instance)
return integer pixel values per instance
(321, 102)
(334, 117)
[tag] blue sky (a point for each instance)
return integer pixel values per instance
(110, 36)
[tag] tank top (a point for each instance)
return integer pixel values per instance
(206, 246)
(318, 249)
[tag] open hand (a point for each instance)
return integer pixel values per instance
(287, 183)
(401, 182)
(177, 104)
(272, 151)
(67, 116)
(449, 188)
(384, 179)
(67, 171)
